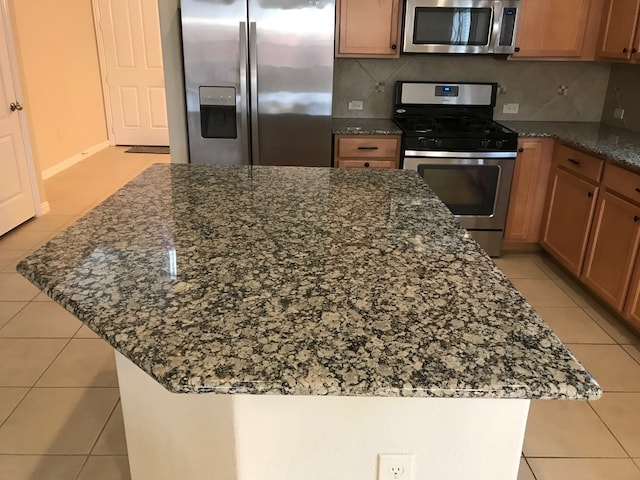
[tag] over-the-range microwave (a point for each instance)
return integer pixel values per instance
(460, 26)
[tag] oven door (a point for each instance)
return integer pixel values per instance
(450, 26)
(474, 186)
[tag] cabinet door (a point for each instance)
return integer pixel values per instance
(551, 28)
(368, 28)
(570, 205)
(619, 23)
(632, 305)
(528, 191)
(612, 249)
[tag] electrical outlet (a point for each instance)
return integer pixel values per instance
(395, 467)
(356, 104)
(511, 108)
(618, 113)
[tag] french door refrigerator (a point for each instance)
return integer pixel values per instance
(259, 81)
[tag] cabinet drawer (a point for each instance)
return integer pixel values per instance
(367, 146)
(579, 162)
(622, 181)
(366, 163)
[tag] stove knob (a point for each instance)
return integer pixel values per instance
(422, 141)
(485, 143)
(437, 142)
(499, 143)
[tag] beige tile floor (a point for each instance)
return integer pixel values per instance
(60, 415)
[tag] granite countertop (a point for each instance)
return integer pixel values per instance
(617, 145)
(365, 126)
(308, 281)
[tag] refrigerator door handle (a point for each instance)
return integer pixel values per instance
(253, 67)
(244, 122)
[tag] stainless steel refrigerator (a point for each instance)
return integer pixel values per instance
(259, 81)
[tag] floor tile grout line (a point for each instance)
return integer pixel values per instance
(34, 383)
(14, 315)
(530, 468)
(113, 411)
(86, 459)
(609, 429)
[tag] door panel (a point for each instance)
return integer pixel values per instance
(294, 48)
(133, 57)
(16, 198)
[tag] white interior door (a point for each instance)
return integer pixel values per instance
(130, 32)
(16, 197)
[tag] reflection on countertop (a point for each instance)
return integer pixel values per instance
(305, 281)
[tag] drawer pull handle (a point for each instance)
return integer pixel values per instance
(590, 194)
(367, 165)
(574, 161)
(638, 190)
(367, 148)
(636, 219)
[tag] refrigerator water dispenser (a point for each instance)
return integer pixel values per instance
(218, 112)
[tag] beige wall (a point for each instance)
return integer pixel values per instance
(60, 73)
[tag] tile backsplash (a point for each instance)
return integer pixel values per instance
(623, 93)
(562, 91)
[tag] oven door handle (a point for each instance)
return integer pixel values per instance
(478, 155)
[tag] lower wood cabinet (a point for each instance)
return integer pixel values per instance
(528, 192)
(366, 151)
(570, 206)
(613, 247)
(632, 306)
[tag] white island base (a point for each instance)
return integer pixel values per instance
(283, 437)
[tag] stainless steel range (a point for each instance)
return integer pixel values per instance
(451, 140)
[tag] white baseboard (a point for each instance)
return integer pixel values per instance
(44, 208)
(71, 161)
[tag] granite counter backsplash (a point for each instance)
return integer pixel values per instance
(305, 281)
(615, 144)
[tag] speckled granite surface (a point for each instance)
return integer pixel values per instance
(301, 281)
(365, 126)
(615, 144)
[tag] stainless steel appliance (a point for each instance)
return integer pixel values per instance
(259, 80)
(460, 26)
(450, 139)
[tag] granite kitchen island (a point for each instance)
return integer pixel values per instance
(283, 322)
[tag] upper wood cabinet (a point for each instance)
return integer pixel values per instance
(620, 37)
(565, 29)
(528, 191)
(368, 28)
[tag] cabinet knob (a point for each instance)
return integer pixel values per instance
(367, 165)
(517, 49)
(636, 219)
(638, 190)
(394, 46)
(625, 50)
(590, 194)
(521, 150)
(634, 50)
